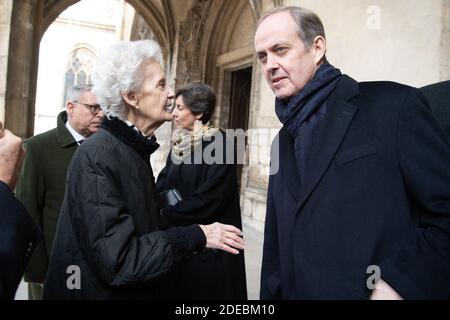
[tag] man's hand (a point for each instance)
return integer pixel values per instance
(383, 291)
(11, 156)
(224, 237)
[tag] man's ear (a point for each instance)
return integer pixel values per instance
(70, 106)
(130, 98)
(320, 47)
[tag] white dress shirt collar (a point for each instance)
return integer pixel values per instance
(78, 137)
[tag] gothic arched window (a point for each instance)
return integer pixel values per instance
(79, 68)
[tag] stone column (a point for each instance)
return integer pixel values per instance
(445, 41)
(5, 22)
(25, 35)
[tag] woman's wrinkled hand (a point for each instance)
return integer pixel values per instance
(224, 237)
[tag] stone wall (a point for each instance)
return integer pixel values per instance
(23, 54)
(445, 41)
(383, 40)
(5, 23)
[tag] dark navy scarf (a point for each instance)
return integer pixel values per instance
(301, 114)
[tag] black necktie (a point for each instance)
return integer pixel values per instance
(81, 141)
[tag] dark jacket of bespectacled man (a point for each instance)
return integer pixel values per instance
(360, 205)
(43, 178)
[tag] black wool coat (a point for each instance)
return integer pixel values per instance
(376, 193)
(438, 94)
(210, 194)
(109, 226)
(19, 236)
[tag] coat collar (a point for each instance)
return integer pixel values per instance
(144, 146)
(330, 135)
(65, 138)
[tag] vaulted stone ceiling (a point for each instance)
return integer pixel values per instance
(157, 13)
(162, 16)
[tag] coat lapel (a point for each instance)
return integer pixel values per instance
(288, 165)
(65, 138)
(330, 136)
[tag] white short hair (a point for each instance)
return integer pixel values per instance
(119, 70)
(75, 91)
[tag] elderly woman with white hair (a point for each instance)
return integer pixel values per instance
(110, 241)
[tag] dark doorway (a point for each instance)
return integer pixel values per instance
(241, 84)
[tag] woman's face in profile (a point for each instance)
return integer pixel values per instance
(183, 117)
(155, 95)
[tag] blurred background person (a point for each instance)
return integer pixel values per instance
(209, 193)
(43, 179)
(110, 224)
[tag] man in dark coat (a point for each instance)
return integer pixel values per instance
(43, 179)
(360, 205)
(438, 94)
(18, 233)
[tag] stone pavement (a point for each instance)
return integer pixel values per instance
(22, 291)
(253, 258)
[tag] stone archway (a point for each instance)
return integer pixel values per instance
(232, 50)
(29, 20)
(26, 18)
(204, 34)
(215, 38)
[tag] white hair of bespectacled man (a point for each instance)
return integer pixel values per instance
(75, 91)
(119, 69)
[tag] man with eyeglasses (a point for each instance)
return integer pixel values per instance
(42, 183)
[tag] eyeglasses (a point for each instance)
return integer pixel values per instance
(94, 108)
